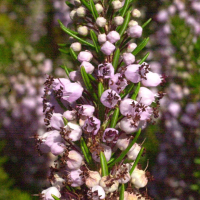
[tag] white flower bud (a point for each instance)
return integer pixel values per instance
(118, 20)
(116, 4)
(89, 68)
(133, 152)
(101, 21)
(70, 115)
(77, 2)
(93, 179)
(82, 30)
(72, 14)
(76, 46)
(100, 191)
(122, 142)
(130, 196)
(85, 56)
(74, 160)
(122, 173)
(145, 96)
(102, 38)
(107, 180)
(132, 23)
(49, 191)
(113, 36)
(138, 178)
(131, 47)
(81, 12)
(136, 13)
(134, 31)
(99, 7)
(128, 58)
(107, 48)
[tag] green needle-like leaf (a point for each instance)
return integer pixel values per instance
(121, 197)
(93, 9)
(56, 198)
(136, 92)
(86, 151)
(123, 154)
(127, 90)
(124, 8)
(114, 118)
(144, 58)
(146, 23)
(64, 51)
(136, 160)
(125, 24)
(104, 166)
(95, 41)
(140, 46)
(65, 120)
(116, 59)
(73, 54)
(100, 105)
(69, 4)
(69, 32)
(85, 3)
(67, 70)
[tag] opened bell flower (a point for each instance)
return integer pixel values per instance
(107, 48)
(70, 115)
(85, 110)
(93, 179)
(74, 131)
(122, 142)
(122, 174)
(151, 80)
(106, 150)
(113, 36)
(46, 194)
(56, 121)
(110, 135)
(75, 178)
(110, 98)
(145, 96)
(53, 137)
(132, 73)
(117, 83)
(92, 125)
(134, 31)
(111, 181)
(100, 192)
(85, 56)
(133, 152)
(74, 160)
(106, 70)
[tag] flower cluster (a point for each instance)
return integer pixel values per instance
(95, 115)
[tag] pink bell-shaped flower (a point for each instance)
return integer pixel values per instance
(110, 98)
(57, 148)
(105, 70)
(145, 96)
(86, 110)
(89, 68)
(49, 191)
(151, 79)
(132, 73)
(75, 178)
(128, 58)
(110, 135)
(91, 125)
(56, 121)
(107, 152)
(74, 160)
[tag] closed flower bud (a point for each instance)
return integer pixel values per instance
(93, 179)
(131, 47)
(76, 46)
(89, 68)
(85, 56)
(100, 192)
(74, 160)
(132, 23)
(138, 178)
(118, 20)
(75, 178)
(122, 142)
(136, 13)
(102, 38)
(83, 30)
(145, 96)
(74, 131)
(152, 79)
(134, 31)
(116, 4)
(109, 180)
(110, 98)
(128, 58)
(86, 110)
(107, 48)
(53, 137)
(57, 148)
(133, 152)
(106, 150)
(81, 12)
(49, 191)
(101, 21)
(132, 73)
(99, 7)
(72, 14)
(113, 36)
(70, 115)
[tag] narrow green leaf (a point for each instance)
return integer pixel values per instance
(144, 58)
(104, 166)
(85, 3)
(114, 118)
(65, 120)
(136, 160)
(67, 70)
(73, 54)
(62, 45)
(125, 24)
(123, 154)
(136, 92)
(124, 8)
(69, 32)
(121, 197)
(88, 83)
(92, 78)
(69, 4)
(93, 10)
(140, 46)
(146, 23)
(127, 90)
(64, 51)
(94, 39)
(56, 198)
(111, 160)
(100, 89)
(86, 151)
(116, 59)
(100, 105)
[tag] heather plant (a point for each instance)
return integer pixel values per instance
(94, 116)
